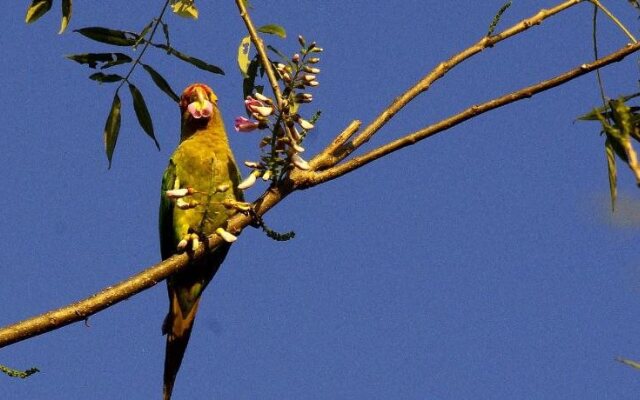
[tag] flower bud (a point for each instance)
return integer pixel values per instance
(299, 162)
(313, 60)
(267, 175)
(226, 236)
(309, 77)
(301, 41)
(295, 58)
(251, 164)
(313, 83)
(242, 124)
(311, 70)
(249, 180)
(304, 124)
(262, 97)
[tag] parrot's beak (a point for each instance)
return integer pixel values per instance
(202, 106)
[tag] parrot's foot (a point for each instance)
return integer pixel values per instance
(189, 238)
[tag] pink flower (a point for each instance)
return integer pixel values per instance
(200, 110)
(243, 124)
(257, 107)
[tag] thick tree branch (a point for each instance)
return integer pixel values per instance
(112, 295)
(298, 179)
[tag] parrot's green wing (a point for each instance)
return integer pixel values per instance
(167, 241)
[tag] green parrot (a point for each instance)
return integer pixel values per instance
(199, 188)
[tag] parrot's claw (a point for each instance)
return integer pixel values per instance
(192, 238)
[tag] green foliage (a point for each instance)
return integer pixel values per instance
(37, 9)
(497, 17)
(142, 113)
(273, 29)
(185, 8)
(243, 56)
(620, 123)
(66, 15)
(112, 127)
(109, 36)
(14, 373)
(161, 82)
(106, 59)
(631, 363)
(101, 77)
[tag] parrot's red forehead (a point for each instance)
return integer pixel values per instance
(192, 90)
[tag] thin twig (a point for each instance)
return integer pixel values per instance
(615, 20)
(262, 52)
(310, 178)
(146, 45)
(444, 67)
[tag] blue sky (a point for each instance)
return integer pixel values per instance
(481, 263)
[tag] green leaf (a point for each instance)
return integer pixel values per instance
(165, 31)
(591, 115)
(14, 373)
(497, 17)
(66, 15)
(630, 363)
(112, 127)
(37, 9)
(611, 169)
(142, 112)
(273, 29)
(161, 82)
(243, 55)
(249, 81)
(192, 60)
(93, 59)
(109, 36)
(143, 34)
(106, 78)
(185, 8)
(278, 52)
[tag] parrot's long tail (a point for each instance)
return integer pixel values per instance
(177, 327)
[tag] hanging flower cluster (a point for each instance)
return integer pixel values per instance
(287, 129)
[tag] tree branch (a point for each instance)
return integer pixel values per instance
(437, 73)
(313, 178)
(299, 179)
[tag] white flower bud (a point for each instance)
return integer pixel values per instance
(251, 164)
(299, 162)
(262, 97)
(313, 83)
(304, 124)
(311, 70)
(248, 181)
(177, 193)
(297, 147)
(183, 244)
(309, 77)
(226, 236)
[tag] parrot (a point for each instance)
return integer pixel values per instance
(198, 185)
